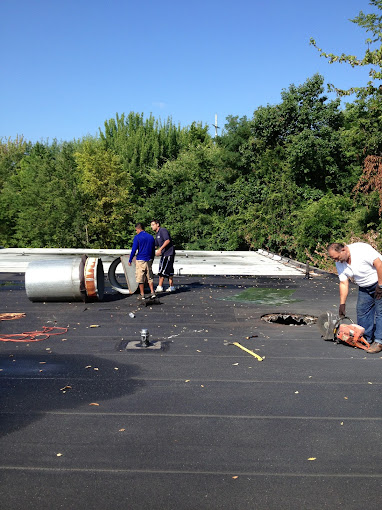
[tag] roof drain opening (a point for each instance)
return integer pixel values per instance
(289, 319)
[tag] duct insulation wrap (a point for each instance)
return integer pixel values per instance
(61, 279)
(129, 272)
(94, 278)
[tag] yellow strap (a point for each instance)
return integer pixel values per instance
(259, 358)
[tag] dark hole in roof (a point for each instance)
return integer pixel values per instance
(289, 319)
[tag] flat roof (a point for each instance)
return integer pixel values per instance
(187, 262)
(198, 423)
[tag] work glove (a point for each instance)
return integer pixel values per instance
(341, 310)
(378, 292)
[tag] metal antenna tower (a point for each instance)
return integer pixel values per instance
(216, 125)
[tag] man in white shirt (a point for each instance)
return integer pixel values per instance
(363, 263)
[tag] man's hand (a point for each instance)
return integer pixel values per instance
(341, 310)
(378, 292)
(158, 252)
(129, 263)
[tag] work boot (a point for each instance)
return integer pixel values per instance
(375, 347)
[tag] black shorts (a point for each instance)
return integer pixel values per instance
(166, 265)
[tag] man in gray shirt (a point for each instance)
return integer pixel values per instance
(166, 250)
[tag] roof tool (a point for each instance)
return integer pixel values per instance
(333, 328)
(259, 358)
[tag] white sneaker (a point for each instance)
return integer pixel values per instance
(159, 289)
(171, 289)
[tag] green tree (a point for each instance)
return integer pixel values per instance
(372, 23)
(145, 144)
(333, 218)
(362, 133)
(105, 189)
(190, 197)
(304, 130)
(11, 154)
(41, 199)
(234, 139)
(302, 107)
(267, 219)
(322, 221)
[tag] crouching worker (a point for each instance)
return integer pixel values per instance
(144, 244)
(363, 263)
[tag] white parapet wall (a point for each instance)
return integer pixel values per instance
(187, 262)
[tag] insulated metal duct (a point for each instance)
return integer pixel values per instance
(65, 279)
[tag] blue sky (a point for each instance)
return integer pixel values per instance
(67, 66)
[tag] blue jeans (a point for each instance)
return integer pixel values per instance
(369, 313)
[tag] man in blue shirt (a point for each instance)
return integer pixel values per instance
(144, 244)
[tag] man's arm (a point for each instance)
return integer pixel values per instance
(377, 263)
(133, 249)
(344, 291)
(159, 250)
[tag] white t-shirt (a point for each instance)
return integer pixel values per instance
(361, 267)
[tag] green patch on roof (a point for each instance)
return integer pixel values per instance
(264, 296)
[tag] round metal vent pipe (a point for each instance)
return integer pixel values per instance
(65, 279)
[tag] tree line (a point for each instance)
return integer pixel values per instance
(290, 179)
(294, 177)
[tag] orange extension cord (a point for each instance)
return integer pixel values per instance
(34, 336)
(29, 336)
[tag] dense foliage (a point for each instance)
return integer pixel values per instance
(284, 180)
(294, 177)
(372, 59)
